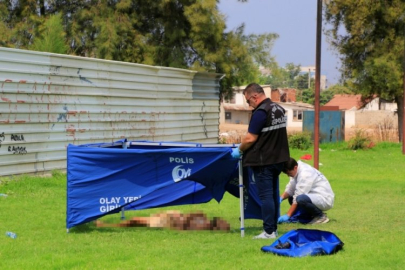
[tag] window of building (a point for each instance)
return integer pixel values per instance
(297, 115)
(228, 115)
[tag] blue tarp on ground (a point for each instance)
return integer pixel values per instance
(104, 178)
(304, 242)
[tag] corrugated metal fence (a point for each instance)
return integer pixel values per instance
(49, 101)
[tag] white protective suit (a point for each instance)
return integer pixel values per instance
(314, 184)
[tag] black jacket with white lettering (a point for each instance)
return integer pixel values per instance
(271, 146)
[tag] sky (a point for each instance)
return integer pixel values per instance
(295, 23)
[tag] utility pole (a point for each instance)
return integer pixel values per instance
(317, 82)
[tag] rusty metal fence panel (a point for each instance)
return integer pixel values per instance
(49, 101)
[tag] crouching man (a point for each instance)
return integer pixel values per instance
(307, 190)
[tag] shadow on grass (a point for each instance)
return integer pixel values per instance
(83, 228)
(91, 227)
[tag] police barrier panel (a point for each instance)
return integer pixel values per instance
(107, 177)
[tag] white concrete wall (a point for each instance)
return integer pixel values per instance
(239, 117)
(350, 119)
(371, 119)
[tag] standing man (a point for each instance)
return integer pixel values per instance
(264, 150)
(308, 190)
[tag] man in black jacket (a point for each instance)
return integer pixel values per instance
(265, 149)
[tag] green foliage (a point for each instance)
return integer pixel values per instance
(172, 33)
(301, 82)
(340, 89)
(300, 140)
(282, 77)
(371, 47)
(52, 36)
(360, 140)
(308, 96)
(240, 56)
(325, 96)
(5, 33)
(22, 19)
(35, 209)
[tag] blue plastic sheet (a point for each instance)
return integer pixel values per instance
(305, 242)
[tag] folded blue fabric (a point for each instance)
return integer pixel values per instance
(304, 242)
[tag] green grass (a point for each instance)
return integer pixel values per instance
(368, 217)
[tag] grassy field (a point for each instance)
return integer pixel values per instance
(368, 217)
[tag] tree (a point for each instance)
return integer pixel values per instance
(21, 18)
(292, 71)
(172, 33)
(282, 77)
(308, 96)
(52, 36)
(371, 47)
(340, 89)
(301, 81)
(239, 61)
(325, 96)
(5, 33)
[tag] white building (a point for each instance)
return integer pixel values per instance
(237, 111)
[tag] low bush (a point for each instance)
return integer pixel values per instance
(360, 141)
(301, 140)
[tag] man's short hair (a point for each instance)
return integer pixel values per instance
(289, 165)
(253, 88)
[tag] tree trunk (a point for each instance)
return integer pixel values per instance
(42, 8)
